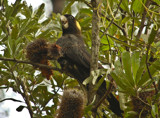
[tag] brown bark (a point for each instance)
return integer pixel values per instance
(57, 5)
(95, 35)
(95, 49)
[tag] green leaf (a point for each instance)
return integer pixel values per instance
(67, 8)
(85, 22)
(135, 63)
(105, 47)
(146, 78)
(106, 40)
(99, 83)
(156, 66)
(122, 84)
(40, 11)
(140, 70)
(137, 6)
(86, 11)
(125, 5)
(126, 61)
(20, 108)
(9, 11)
(14, 32)
(121, 79)
(126, 19)
(152, 36)
(157, 1)
(17, 8)
(87, 80)
(154, 111)
(27, 11)
(118, 81)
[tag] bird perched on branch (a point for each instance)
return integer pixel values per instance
(75, 59)
(71, 53)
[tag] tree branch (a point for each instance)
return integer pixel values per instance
(19, 83)
(26, 97)
(143, 20)
(104, 97)
(132, 26)
(112, 19)
(153, 82)
(95, 48)
(57, 5)
(122, 29)
(31, 63)
(144, 102)
(95, 35)
(12, 99)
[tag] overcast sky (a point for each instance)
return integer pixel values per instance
(11, 106)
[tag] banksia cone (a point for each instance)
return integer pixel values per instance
(45, 71)
(54, 51)
(72, 104)
(139, 106)
(37, 52)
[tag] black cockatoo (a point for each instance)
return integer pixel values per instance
(75, 59)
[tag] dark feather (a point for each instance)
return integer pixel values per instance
(75, 61)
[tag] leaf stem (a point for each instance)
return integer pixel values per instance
(153, 82)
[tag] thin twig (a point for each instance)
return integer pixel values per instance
(132, 26)
(128, 40)
(24, 93)
(31, 63)
(122, 29)
(144, 102)
(112, 19)
(12, 99)
(88, 4)
(143, 20)
(153, 82)
(109, 44)
(26, 97)
(104, 97)
(96, 7)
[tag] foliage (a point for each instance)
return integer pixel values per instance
(130, 45)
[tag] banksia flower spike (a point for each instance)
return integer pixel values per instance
(72, 104)
(37, 53)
